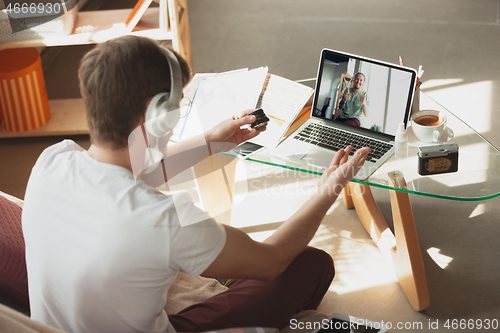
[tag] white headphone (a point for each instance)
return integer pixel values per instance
(163, 111)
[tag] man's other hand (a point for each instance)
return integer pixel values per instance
(341, 171)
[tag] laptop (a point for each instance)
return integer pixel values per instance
(357, 101)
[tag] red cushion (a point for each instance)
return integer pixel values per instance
(13, 276)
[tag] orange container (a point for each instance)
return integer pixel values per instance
(23, 97)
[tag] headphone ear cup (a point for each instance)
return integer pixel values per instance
(159, 119)
(163, 111)
(152, 110)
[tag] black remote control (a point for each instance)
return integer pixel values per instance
(261, 121)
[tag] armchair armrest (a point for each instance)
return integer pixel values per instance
(15, 200)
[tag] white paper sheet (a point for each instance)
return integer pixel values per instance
(221, 96)
(217, 97)
(281, 99)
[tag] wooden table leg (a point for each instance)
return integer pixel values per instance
(402, 248)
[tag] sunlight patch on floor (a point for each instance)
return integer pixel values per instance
(440, 259)
(265, 194)
(359, 264)
(479, 210)
(475, 109)
(261, 235)
(439, 83)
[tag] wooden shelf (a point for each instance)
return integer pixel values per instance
(99, 26)
(92, 27)
(67, 117)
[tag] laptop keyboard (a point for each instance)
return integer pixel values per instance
(335, 139)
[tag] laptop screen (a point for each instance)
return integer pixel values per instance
(362, 92)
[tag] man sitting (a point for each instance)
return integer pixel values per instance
(103, 246)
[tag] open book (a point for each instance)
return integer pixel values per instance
(217, 97)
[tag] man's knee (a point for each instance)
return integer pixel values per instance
(317, 260)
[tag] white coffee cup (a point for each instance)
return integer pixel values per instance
(428, 125)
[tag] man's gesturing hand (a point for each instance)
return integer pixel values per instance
(341, 171)
(347, 95)
(363, 98)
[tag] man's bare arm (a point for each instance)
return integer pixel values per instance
(185, 154)
(242, 257)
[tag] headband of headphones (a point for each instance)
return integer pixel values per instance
(163, 111)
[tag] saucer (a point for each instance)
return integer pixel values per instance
(445, 138)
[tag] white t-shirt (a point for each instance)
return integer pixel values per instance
(102, 249)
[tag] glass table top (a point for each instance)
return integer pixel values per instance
(477, 177)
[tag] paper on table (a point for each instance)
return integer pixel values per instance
(281, 99)
(186, 103)
(190, 90)
(220, 96)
